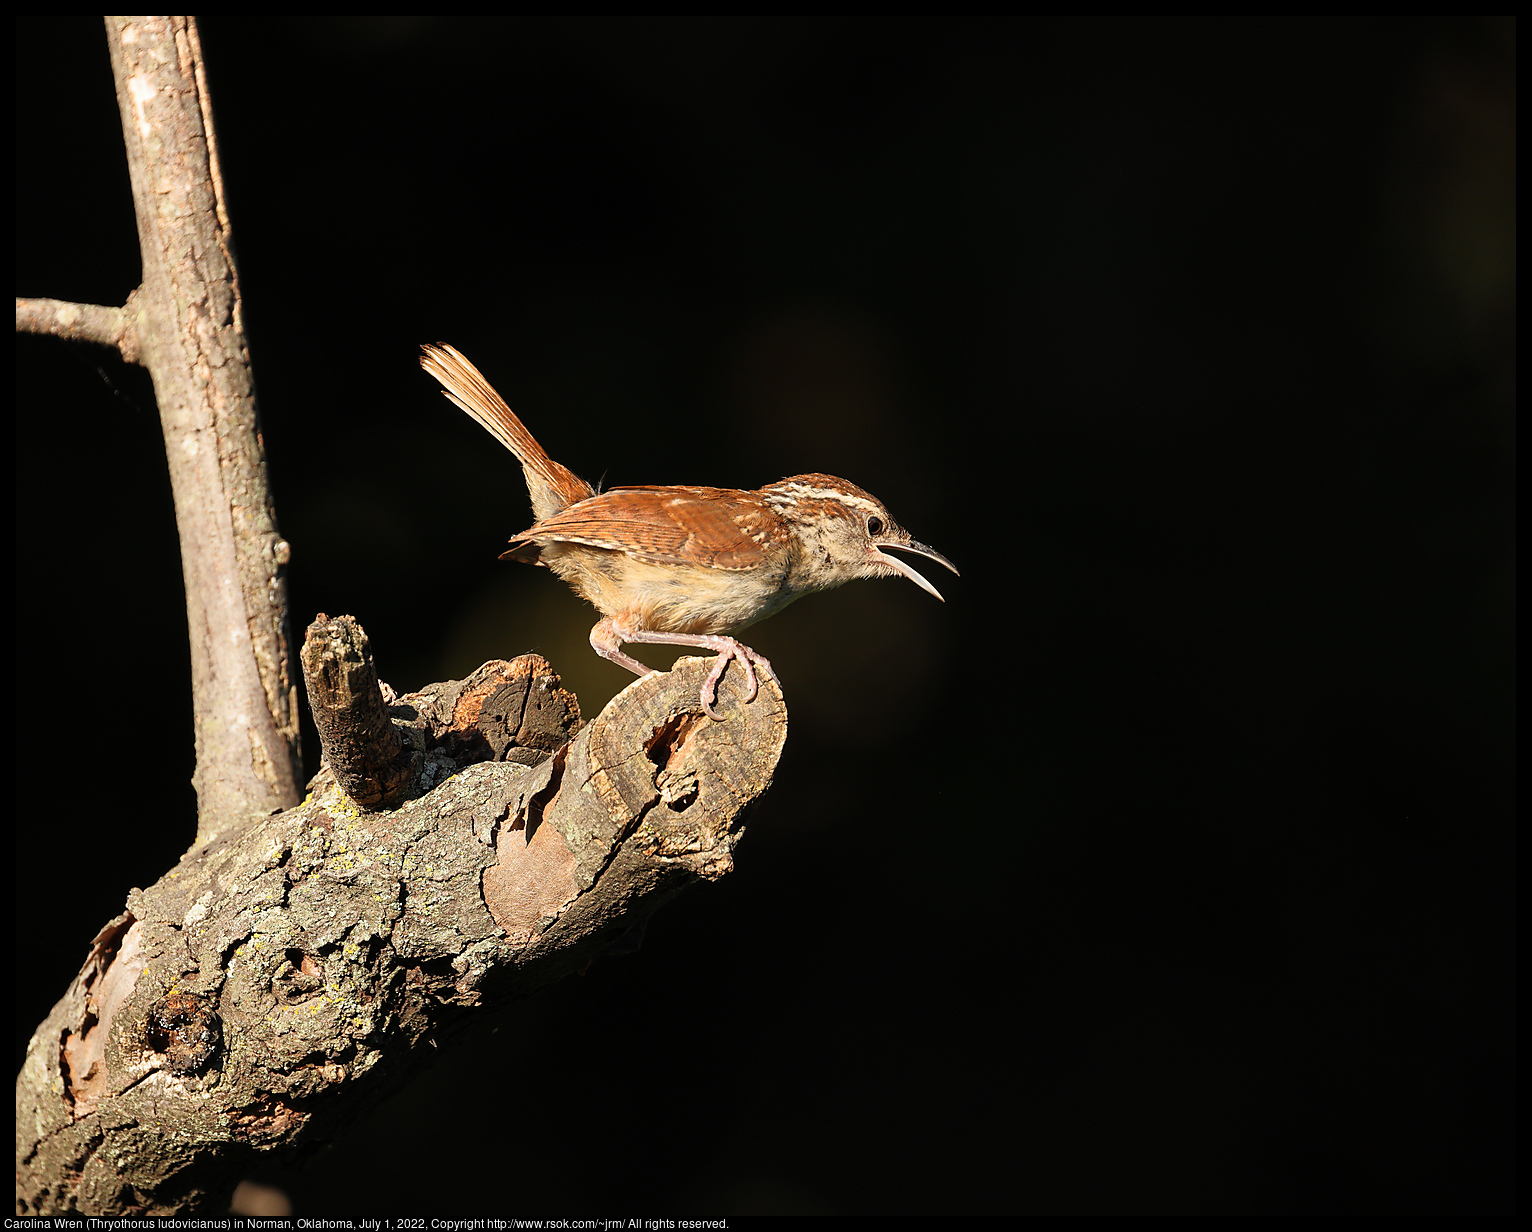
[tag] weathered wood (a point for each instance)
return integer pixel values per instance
(285, 974)
(359, 743)
(188, 333)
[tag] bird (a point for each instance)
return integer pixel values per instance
(680, 565)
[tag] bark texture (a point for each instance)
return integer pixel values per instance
(282, 976)
(187, 330)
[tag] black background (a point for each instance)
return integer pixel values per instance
(1166, 868)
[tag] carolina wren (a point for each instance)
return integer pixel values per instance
(684, 566)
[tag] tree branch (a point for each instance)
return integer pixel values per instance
(281, 979)
(112, 327)
(191, 339)
(360, 746)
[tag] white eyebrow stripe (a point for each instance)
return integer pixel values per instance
(803, 491)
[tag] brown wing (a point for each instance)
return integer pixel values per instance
(717, 528)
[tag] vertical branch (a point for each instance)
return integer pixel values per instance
(191, 339)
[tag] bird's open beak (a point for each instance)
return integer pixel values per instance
(918, 549)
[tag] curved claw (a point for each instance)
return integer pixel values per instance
(609, 635)
(747, 659)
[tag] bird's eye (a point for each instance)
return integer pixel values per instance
(875, 525)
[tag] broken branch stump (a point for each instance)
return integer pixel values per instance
(285, 973)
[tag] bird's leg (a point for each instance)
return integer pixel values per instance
(606, 640)
(608, 636)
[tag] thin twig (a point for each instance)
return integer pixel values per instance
(113, 327)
